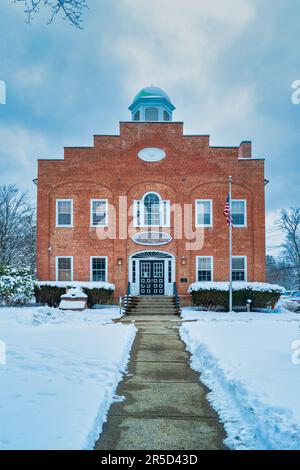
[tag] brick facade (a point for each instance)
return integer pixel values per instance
(191, 170)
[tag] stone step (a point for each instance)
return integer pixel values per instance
(156, 305)
(156, 302)
(166, 297)
(151, 314)
(154, 310)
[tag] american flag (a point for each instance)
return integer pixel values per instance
(226, 211)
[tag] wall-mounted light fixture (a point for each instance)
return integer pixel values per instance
(183, 260)
(120, 261)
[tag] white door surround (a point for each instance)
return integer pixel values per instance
(134, 264)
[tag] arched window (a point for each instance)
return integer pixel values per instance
(137, 116)
(151, 114)
(152, 209)
(166, 116)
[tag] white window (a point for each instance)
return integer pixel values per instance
(64, 212)
(64, 268)
(239, 212)
(204, 217)
(99, 212)
(151, 211)
(137, 116)
(151, 114)
(204, 268)
(239, 268)
(99, 268)
(166, 116)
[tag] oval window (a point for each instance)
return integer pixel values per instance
(152, 154)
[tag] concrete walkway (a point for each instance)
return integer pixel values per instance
(165, 406)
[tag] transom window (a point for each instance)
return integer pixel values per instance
(204, 267)
(64, 268)
(239, 268)
(151, 211)
(99, 269)
(99, 212)
(151, 114)
(64, 212)
(204, 213)
(238, 209)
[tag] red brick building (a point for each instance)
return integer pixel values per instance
(146, 207)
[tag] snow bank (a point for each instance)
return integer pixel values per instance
(278, 313)
(237, 285)
(87, 285)
(74, 292)
(247, 365)
(62, 370)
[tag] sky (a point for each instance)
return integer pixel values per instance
(227, 66)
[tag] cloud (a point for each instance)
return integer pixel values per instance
(19, 151)
(178, 43)
(225, 65)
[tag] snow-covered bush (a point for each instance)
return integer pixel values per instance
(16, 286)
(213, 294)
(50, 292)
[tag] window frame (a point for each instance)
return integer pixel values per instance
(92, 225)
(245, 213)
(137, 113)
(57, 270)
(166, 113)
(245, 267)
(164, 212)
(211, 267)
(57, 214)
(106, 267)
(211, 213)
(152, 108)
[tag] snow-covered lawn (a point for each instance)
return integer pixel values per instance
(245, 359)
(60, 376)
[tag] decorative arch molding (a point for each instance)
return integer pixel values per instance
(221, 182)
(63, 183)
(154, 254)
(136, 262)
(158, 186)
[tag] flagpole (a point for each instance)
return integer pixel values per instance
(230, 246)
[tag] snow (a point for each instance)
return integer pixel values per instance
(60, 377)
(72, 304)
(75, 293)
(247, 360)
(236, 285)
(87, 285)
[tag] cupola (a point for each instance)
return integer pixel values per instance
(151, 104)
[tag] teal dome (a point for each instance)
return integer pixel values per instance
(151, 104)
(152, 92)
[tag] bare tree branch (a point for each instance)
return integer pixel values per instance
(289, 223)
(17, 228)
(72, 10)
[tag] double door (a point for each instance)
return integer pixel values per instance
(152, 278)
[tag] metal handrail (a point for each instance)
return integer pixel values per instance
(176, 297)
(127, 297)
(124, 301)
